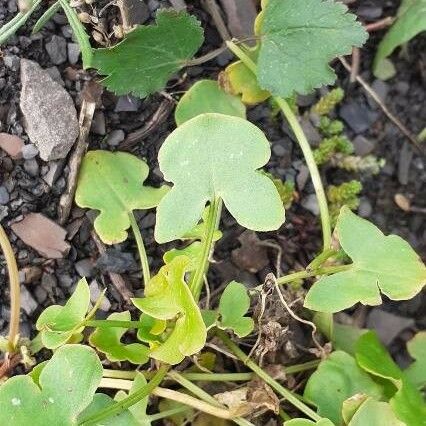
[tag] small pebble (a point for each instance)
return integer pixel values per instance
(4, 196)
(279, 150)
(29, 151)
(115, 137)
(73, 53)
(310, 203)
(84, 267)
(365, 209)
(57, 49)
(31, 167)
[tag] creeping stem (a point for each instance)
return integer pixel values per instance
(304, 145)
(212, 223)
(141, 248)
(15, 290)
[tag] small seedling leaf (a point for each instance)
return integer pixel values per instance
(411, 20)
(168, 297)
(108, 341)
(206, 96)
(210, 156)
(299, 39)
(372, 412)
(144, 61)
(416, 372)
(57, 324)
(337, 379)
(234, 304)
(112, 183)
(66, 387)
(380, 263)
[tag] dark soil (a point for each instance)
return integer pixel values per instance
(52, 281)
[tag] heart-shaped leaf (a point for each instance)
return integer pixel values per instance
(66, 387)
(57, 324)
(380, 263)
(144, 61)
(406, 401)
(372, 412)
(233, 305)
(337, 379)
(299, 39)
(206, 96)
(210, 156)
(416, 372)
(168, 297)
(108, 341)
(112, 183)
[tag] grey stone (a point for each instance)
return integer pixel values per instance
(365, 208)
(4, 212)
(115, 137)
(148, 221)
(66, 31)
(40, 294)
(302, 177)
(356, 116)
(31, 167)
(382, 89)
(95, 294)
(4, 196)
(138, 11)
(116, 261)
(279, 150)
(153, 5)
(311, 132)
(57, 49)
(99, 124)
(85, 267)
(362, 146)
(388, 326)
(28, 304)
(29, 151)
(55, 169)
(73, 53)
(310, 203)
(127, 103)
(12, 62)
(49, 111)
(55, 75)
(402, 87)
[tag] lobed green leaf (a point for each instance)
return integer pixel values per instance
(416, 372)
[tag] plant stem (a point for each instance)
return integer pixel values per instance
(320, 259)
(197, 279)
(289, 396)
(304, 145)
(168, 413)
(113, 324)
(15, 289)
(132, 399)
(141, 248)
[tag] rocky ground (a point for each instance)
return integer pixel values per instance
(34, 166)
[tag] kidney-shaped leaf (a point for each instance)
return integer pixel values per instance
(210, 156)
(112, 183)
(233, 305)
(380, 263)
(66, 387)
(168, 297)
(372, 412)
(299, 39)
(416, 372)
(57, 324)
(337, 379)
(108, 341)
(206, 96)
(144, 61)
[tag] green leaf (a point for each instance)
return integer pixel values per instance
(380, 263)
(66, 387)
(406, 401)
(151, 329)
(168, 297)
(192, 252)
(416, 372)
(112, 183)
(206, 96)
(57, 324)
(411, 21)
(234, 304)
(215, 155)
(79, 33)
(337, 379)
(373, 412)
(299, 39)
(210, 317)
(102, 401)
(144, 61)
(46, 17)
(306, 422)
(108, 341)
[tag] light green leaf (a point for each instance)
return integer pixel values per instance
(168, 297)
(299, 39)
(151, 329)
(210, 317)
(306, 422)
(380, 263)
(57, 324)
(337, 379)
(192, 252)
(416, 372)
(406, 401)
(206, 96)
(234, 304)
(351, 405)
(144, 61)
(373, 412)
(102, 401)
(411, 21)
(108, 341)
(112, 183)
(215, 155)
(66, 387)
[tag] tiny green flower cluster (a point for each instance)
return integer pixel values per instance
(338, 144)
(328, 102)
(345, 194)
